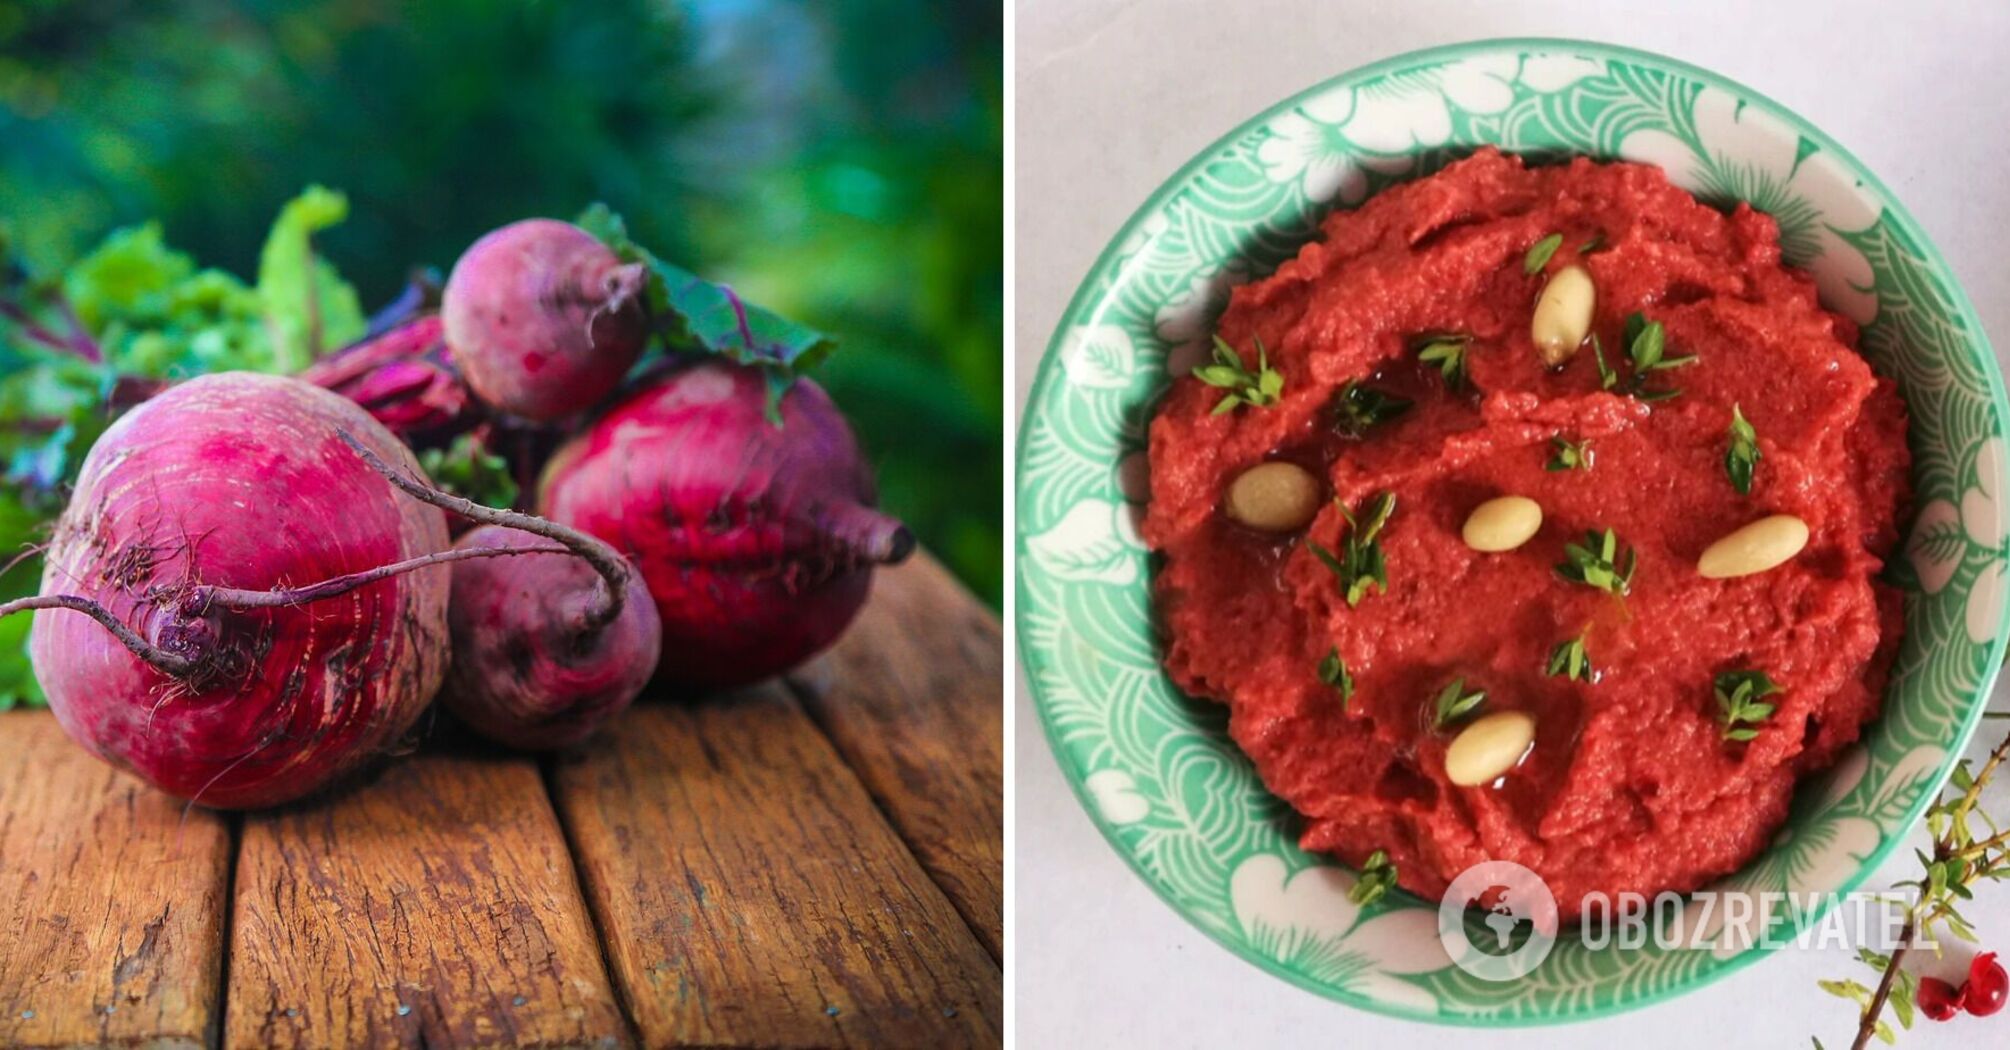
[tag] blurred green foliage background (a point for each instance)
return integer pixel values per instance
(838, 162)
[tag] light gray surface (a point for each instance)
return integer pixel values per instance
(1111, 98)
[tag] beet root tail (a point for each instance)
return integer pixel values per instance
(870, 536)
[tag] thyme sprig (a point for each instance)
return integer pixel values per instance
(1647, 347)
(1607, 377)
(1601, 561)
(1378, 876)
(1569, 660)
(1455, 702)
(1962, 858)
(1359, 408)
(1360, 564)
(1447, 350)
(1743, 453)
(1565, 454)
(1333, 672)
(1259, 388)
(1741, 702)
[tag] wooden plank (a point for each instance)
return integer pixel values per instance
(111, 900)
(750, 895)
(913, 697)
(435, 906)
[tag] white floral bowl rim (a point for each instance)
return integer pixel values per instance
(1155, 770)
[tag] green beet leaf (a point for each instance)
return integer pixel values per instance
(697, 316)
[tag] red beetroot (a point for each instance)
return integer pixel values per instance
(543, 319)
(532, 667)
(757, 541)
(548, 649)
(209, 684)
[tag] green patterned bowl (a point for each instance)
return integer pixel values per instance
(1156, 769)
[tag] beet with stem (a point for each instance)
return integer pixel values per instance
(546, 649)
(542, 318)
(181, 633)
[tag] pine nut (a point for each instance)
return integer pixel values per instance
(1764, 544)
(1491, 746)
(1502, 523)
(1274, 497)
(1563, 314)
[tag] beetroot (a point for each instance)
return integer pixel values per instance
(546, 649)
(543, 319)
(757, 541)
(207, 672)
(531, 669)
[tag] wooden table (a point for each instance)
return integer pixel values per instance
(809, 862)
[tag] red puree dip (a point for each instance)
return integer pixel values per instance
(1630, 784)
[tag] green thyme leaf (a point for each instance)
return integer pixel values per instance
(1362, 407)
(1260, 388)
(1901, 999)
(1540, 253)
(1645, 340)
(1448, 352)
(1360, 565)
(1569, 660)
(1960, 928)
(1607, 378)
(1647, 347)
(1851, 990)
(1601, 562)
(1740, 696)
(1454, 702)
(1378, 876)
(1743, 455)
(1568, 455)
(1333, 672)
(1596, 242)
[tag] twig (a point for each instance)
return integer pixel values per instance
(1867, 1025)
(1970, 860)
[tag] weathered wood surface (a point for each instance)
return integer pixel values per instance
(810, 864)
(111, 901)
(434, 906)
(750, 894)
(913, 699)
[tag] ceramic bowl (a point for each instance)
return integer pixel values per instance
(1156, 769)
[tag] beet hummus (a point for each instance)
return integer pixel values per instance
(1667, 740)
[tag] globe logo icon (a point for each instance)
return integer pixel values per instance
(1516, 915)
(1501, 916)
